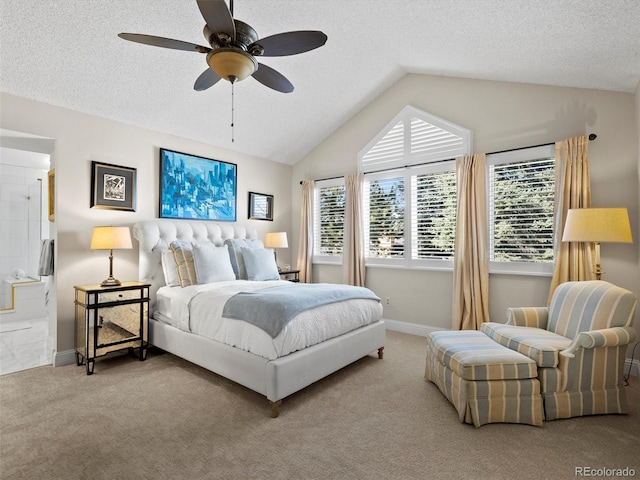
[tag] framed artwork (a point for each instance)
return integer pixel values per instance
(51, 186)
(260, 206)
(113, 187)
(197, 187)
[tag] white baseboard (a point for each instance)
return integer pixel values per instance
(60, 359)
(410, 328)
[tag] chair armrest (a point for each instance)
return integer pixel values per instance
(528, 317)
(607, 337)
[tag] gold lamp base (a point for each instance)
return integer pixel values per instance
(111, 282)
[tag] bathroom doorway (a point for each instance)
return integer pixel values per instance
(25, 340)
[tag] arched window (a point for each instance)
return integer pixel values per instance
(410, 190)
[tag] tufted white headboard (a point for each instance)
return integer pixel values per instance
(155, 236)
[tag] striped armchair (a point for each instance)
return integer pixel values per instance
(578, 344)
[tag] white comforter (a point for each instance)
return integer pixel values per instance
(198, 309)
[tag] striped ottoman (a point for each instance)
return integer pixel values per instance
(486, 382)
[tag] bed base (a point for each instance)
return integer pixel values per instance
(275, 379)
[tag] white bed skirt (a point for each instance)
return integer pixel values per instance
(275, 379)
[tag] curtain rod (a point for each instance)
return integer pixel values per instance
(592, 137)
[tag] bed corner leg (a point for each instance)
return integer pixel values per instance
(381, 353)
(275, 408)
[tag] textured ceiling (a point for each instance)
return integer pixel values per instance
(67, 53)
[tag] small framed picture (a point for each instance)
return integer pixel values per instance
(260, 206)
(113, 187)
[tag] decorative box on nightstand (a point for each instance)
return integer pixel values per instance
(109, 319)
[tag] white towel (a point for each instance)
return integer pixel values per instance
(46, 258)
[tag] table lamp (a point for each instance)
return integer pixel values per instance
(110, 238)
(597, 225)
(276, 240)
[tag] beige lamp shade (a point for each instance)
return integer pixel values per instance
(597, 225)
(111, 238)
(276, 240)
(602, 225)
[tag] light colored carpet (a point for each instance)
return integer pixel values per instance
(376, 419)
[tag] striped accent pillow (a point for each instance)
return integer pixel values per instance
(183, 255)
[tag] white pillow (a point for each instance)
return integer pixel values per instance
(212, 263)
(170, 269)
(235, 245)
(260, 264)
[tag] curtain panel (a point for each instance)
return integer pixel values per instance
(471, 262)
(573, 260)
(353, 267)
(305, 243)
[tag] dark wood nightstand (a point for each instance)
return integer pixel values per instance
(109, 319)
(291, 275)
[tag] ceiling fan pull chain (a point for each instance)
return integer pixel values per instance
(232, 115)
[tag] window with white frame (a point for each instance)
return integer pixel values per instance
(410, 190)
(409, 200)
(521, 205)
(410, 215)
(329, 220)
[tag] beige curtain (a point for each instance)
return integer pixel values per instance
(305, 243)
(573, 260)
(353, 269)
(471, 263)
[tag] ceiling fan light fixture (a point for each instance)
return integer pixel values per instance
(232, 64)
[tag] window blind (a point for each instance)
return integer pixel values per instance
(329, 214)
(433, 215)
(384, 217)
(521, 203)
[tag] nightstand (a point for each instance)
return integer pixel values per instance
(110, 319)
(291, 275)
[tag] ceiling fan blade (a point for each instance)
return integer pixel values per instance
(272, 79)
(218, 17)
(206, 80)
(290, 43)
(164, 42)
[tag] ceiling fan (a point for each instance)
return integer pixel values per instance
(235, 46)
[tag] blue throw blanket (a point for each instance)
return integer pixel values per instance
(272, 308)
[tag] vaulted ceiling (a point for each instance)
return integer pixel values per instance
(67, 53)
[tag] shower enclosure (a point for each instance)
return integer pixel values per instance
(22, 292)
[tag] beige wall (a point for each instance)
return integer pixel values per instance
(501, 116)
(81, 138)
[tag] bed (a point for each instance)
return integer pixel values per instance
(273, 367)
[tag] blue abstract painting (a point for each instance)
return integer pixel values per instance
(196, 187)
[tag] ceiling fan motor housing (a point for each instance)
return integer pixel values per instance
(245, 35)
